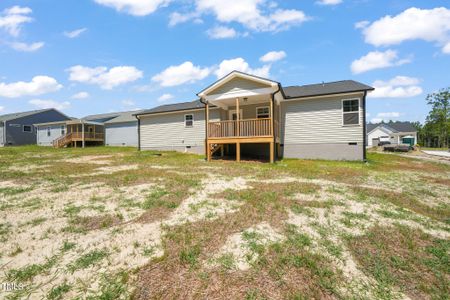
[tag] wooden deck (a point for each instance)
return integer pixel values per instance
(256, 131)
(74, 137)
(241, 131)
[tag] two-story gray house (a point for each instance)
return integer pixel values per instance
(245, 115)
(18, 129)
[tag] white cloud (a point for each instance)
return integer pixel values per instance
(388, 115)
(165, 97)
(257, 15)
(239, 64)
(329, 2)
(2, 108)
(128, 102)
(397, 87)
(376, 120)
(101, 76)
(184, 73)
(75, 33)
(273, 56)
(431, 25)
(222, 32)
(377, 60)
(385, 116)
(135, 7)
(177, 18)
(24, 47)
(12, 19)
(37, 86)
(446, 48)
(361, 24)
(81, 95)
(43, 104)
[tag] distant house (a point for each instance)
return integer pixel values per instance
(246, 115)
(18, 129)
(394, 132)
(112, 129)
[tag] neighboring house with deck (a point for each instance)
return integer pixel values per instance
(245, 115)
(393, 132)
(17, 128)
(112, 129)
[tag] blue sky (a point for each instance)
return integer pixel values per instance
(94, 56)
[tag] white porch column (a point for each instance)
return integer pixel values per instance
(82, 135)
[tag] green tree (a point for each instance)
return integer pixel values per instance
(438, 119)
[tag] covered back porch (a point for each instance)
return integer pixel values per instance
(81, 133)
(248, 119)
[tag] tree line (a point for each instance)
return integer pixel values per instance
(435, 132)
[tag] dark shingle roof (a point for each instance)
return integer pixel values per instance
(337, 87)
(396, 126)
(173, 107)
(124, 117)
(13, 116)
(102, 117)
(327, 88)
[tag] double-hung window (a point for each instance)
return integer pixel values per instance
(188, 120)
(262, 112)
(49, 131)
(63, 130)
(350, 112)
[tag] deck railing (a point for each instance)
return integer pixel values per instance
(88, 136)
(242, 128)
(77, 136)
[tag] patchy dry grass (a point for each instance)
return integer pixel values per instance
(115, 223)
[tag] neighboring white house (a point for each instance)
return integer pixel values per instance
(246, 115)
(393, 132)
(111, 129)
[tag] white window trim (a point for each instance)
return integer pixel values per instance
(268, 107)
(359, 112)
(186, 126)
(23, 129)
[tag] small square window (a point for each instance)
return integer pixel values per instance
(27, 128)
(188, 120)
(262, 112)
(351, 105)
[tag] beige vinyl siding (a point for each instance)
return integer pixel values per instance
(238, 84)
(319, 121)
(248, 111)
(167, 130)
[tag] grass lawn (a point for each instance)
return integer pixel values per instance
(115, 223)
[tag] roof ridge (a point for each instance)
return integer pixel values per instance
(320, 83)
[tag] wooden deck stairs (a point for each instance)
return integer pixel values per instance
(63, 141)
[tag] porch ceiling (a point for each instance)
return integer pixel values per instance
(255, 99)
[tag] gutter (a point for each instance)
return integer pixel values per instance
(273, 118)
(364, 128)
(206, 130)
(139, 133)
(4, 133)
